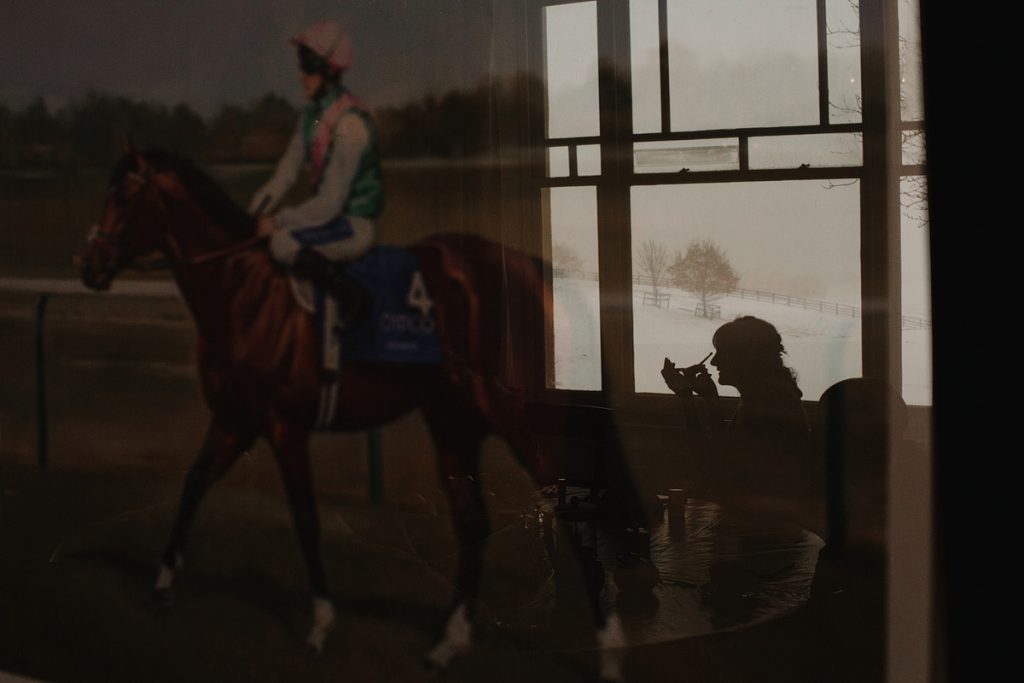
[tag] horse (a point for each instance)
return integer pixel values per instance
(260, 375)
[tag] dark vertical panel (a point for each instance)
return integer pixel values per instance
(880, 210)
(823, 117)
(615, 250)
(666, 121)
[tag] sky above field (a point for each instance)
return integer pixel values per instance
(232, 50)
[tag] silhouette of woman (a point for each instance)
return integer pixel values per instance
(748, 356)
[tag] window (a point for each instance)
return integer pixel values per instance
(750, 127)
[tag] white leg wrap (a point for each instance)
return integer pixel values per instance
(166, 576)
(323, 623)
(612, 640)
(458, 635)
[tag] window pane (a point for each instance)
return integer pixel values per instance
(916, 292)
(913, 147)
(842, 25)
(571, 214)
(570, 33)
(794, 151)
(738, 63)
(911, 93)
(672, 156)
(795, 247)
(645, 60)
(588, 159)
(558, 162)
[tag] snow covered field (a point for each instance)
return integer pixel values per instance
(821, 347)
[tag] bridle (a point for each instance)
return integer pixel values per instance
(125, 213)
(110, 236)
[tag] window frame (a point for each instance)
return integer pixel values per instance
(878, 177)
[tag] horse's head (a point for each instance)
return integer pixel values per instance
(125, 229)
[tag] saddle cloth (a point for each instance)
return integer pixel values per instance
(401, 327)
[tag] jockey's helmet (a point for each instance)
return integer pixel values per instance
(327, 40)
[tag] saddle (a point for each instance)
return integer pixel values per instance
(399, 327)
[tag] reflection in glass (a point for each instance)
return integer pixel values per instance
(740, 63)
(672, 156)
(796, 248)
(588, 160)
(911, 92)
(913, 147)
(796, 151)
(558, 162)
(916, 292)
(570, 33)
(842, 27)
(644, 54)
(571, 227)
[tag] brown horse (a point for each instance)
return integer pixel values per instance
(261, 377)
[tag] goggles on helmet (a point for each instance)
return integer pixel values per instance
(310, 62)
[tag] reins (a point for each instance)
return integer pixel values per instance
(220, 253)
(200, 259)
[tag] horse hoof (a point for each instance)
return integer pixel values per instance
(457, 641)
(433, 666)
(323, 623)
(161, 600)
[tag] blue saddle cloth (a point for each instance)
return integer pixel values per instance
(402, 327)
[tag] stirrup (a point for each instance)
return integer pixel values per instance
(354, 306)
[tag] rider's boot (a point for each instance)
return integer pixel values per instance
(353, 299)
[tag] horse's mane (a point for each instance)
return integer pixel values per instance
(207, 191)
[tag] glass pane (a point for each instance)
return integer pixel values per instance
(571, 214)
(738, 63)
(913, 147)
(645, 60)
(842, 26)
(795, 151)
(558, 162)
(588, 160)
(795, 247)
(570, 33)
(720, 154)
(916, 292)
(911, 93)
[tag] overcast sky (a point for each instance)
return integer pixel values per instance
(207, 53)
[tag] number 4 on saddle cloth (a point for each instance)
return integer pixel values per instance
(401, 327)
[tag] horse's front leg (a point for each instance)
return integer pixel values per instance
(223, 444)
(291, 448)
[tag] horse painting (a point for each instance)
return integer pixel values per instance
(261, 375)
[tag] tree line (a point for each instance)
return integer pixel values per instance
(85, 132)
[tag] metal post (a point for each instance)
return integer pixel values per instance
(41, 380)
(375, 468)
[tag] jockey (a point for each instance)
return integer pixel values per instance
(337, 139)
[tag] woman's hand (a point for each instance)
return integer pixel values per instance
(702, 383)
(677, 382)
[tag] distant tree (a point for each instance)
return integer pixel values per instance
(652, 262)
(704, 270)
(564, 261)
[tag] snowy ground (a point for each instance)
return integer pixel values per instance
(821, 347)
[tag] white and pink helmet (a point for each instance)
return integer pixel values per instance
(329, 40)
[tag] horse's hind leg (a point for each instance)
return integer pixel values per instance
(221, 448)
(458, 438)
(291, 448)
